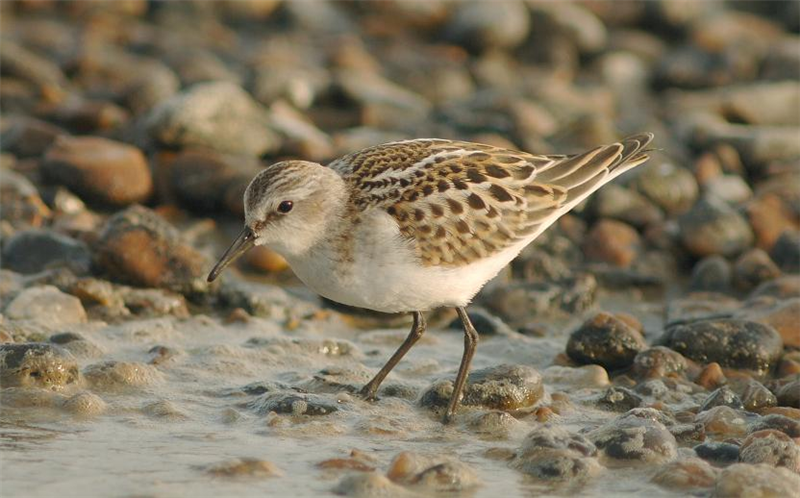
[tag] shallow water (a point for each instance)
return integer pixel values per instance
(159, 439)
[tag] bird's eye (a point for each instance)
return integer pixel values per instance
(285, 206)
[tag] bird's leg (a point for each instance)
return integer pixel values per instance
(417, 329)
(470, 343)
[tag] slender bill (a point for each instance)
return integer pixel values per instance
(243, 242)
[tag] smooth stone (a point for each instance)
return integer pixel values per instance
(21, 206)
(788, 426)
(619, 399)
(32, 251)
(46, 305)
(672, 188)
(786, 251)
(504, 387)
(722, 421)
(755, 481)
(243, 467)
(627, 440)
(712, 227)
(753, 268)
(732, 343)
(431, 474)
(723, 396)
(730, 188)
(484, 322)
(712, 274)
(605, 340)
(368, 485)
(517, 302)
(789, 394)
(685, 475)
(587, 376)
(29, 137)
(85, 404)
(99, 170)
(719, 453)
(657, 362)
(771, 216)
(482, 26)
(628, 206)
(139, 247)
(756, 397)
(37, 365)
(612, 242)
(215, 115)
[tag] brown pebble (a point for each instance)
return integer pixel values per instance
(706, 168)
(262, 259)
(241, 467)
(789, 364)
(238, 315)
(770, 216)
(345, 464)
(612, 242)
(786, 411)
(544, 414)
(711, 377)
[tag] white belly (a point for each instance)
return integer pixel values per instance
(384, 275)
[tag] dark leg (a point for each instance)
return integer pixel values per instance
(371, 389)
(470, 343)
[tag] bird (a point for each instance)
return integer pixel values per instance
(415, 225)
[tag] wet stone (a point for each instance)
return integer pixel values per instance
(118, 375)
(723, 421)
(756, 397)
(46, 305)
(99, 170)
(85, 404)
(366, 485)
(552, 454)
(76, 344)
(789, 394)
(619, 399)
(293, 404)
(431, 474)
(243, 467)
(688, 474)
(759, 480)
(788, 426)
(37, 365)
(581, 377)
(737, 344)
(722, 397)
(633, 439)
(771, 447)
(494, 423)
(505, 387)
(786, 251)
(32, 251)
(718, 453)
(139, 247)
(657, 362)
(712, 274)
(605, 340)
(712, 227)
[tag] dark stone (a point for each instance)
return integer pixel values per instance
(484, 322)
(32, 251)
(65, 338)
(550, 453)
(657, 362)
(605, 340)
(738, 344)
(619, 399)
(722, 397)
(712, 274)
(718, 452)
(634, 438)
(756, 397)
(37, 365)
(293, 404)
(786, 251)
(688, 433)
(789, 394)
(788, 426)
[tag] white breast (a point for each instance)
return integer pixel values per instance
(384, 275)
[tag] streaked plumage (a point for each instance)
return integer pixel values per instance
(418, 224)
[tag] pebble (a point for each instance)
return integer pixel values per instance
(685, 475)
(516, 302)
(789, 394)
(588, 376)
(732, 343)
(368, 485)
(723, 396)
(753, 268)
(85, 404)
(657, 362)
(619, 399)
(293, 404)
(631, 439)
(114, 375)
(216, 115)
(755, 481)
(483, 26)
(550, 453)
(788, 426)
(46, 305)
(786, 251)
(605, 340)
(244, 467)
(670, 187)
(756, 397)
(76, 344)
(504, 387)
(626, 205)
(718, 453)
(484, 322)
(20, 203)
(37, 365)
(712, 274)
(139, 247)
(730, 188)
(431, 474)
(723, 421)
(771, 217)
(712, 227)
(99, 170)
(32, 251)
(612, 242)
(772, 448)
(29, 137)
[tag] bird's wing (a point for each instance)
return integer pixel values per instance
(457, 202)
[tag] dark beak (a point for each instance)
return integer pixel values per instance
(243, 242)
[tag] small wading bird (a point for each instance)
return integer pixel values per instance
(415, 225)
